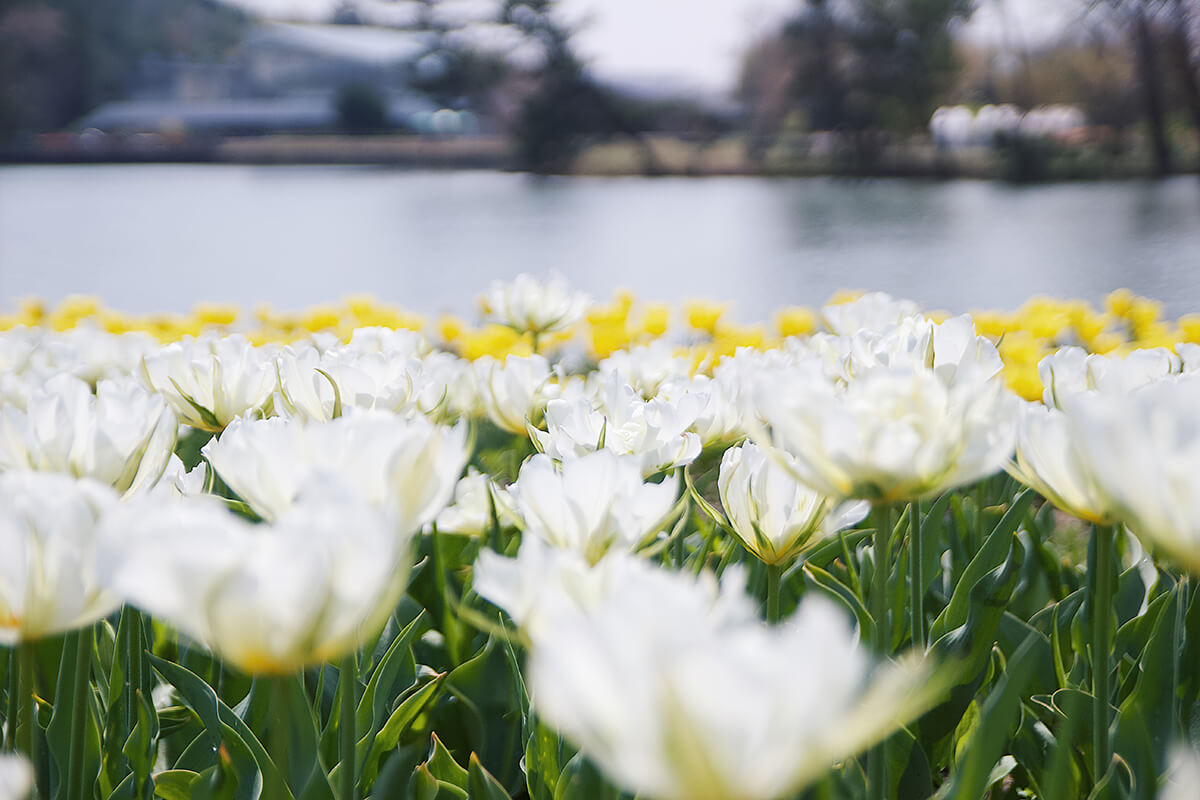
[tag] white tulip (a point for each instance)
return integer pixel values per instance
(446, 388)
(209, 382)
(513, 391)
(1183, 774)
(545, 586)
(719, 417)
(122, 435)
(1071, 370)
(698, 699)
(314, 385)
(1049, 460)
(16, 777)
(890, 435)
(91, 354)
(591, 503)
(48, 577)
(475, 495)
(539, 582)
(1189, 357)
(269, 598)
(1142, 450)
(408, 465)
(656, 430)
(774, 516)
(951, 349)
(397, 344)
(527, 304)
(646, 367)
(874, 311)
(17, 347)
(177, 481)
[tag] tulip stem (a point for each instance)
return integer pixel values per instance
(774, 574)
(79, 710)
(879, 591)
(882, 518)
(10, 715)
(25, 696)
(349, 686)
(916, 569)
(1101, 618)
(133, 667)
(279, 737)
(1181, 608)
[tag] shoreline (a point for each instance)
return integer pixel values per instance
(655, 156)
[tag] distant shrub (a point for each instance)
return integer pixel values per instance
(361, 108)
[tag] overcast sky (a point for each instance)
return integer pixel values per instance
(624, 39)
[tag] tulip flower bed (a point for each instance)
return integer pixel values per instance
(580, 553)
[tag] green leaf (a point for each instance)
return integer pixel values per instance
(175, 784)
(1146, 721)
(992, 554)
(206, 416)
(399, 773)
(542, 762)
(997, 719)
(141, 745)
(389, 735)
(373, 705)
(909, 774)
(221, 724)
(444, 767)
(481, 784)
(830, 585)
(582, 781)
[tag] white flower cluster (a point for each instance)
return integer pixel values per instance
(626, 660)
(290, 540)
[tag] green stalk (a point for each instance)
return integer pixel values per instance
(133, 663)
(916, 574)
(1180, 643)
(774, 573)
(442, 582)
(10, 715)
(881, 518)
(79, 709)
(25, 695)
(279, 736)
(879, 579)
(346, 730)
(1102, 601)
(978, 539)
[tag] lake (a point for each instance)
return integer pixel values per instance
(161, 237)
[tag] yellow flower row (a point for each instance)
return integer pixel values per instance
(1024, 336)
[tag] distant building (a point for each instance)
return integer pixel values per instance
(282, 77)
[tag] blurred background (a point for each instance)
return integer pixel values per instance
(964, 153)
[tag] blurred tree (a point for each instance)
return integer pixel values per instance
(1181, 27)
(361, 108)
(566, 106)
(1137, 19)
(857, 66)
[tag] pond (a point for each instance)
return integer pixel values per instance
(161, 237)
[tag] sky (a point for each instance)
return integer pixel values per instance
(623, 39)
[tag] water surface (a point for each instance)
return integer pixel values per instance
(165, 236)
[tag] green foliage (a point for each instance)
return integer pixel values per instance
(440, 708)
(361, 108)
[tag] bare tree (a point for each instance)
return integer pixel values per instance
(1135, 17)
